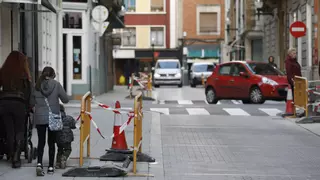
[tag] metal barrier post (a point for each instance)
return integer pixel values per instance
(131, 79)
(137, 137)
(85, 125)
(149, 87)
(300, 94)
(202, 79)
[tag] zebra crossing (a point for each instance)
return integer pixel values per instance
(219, 111)
(203, 102)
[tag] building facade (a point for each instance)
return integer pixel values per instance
(30, 28)
(296, 10)
(244, 31)
(150, 34)
(203, 29)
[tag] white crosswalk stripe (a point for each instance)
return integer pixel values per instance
(191, 102)
(184, 102)
(227, 111)
(197, 111)
(270, 111)
(236, 112)
(161, 110)
(236, 102)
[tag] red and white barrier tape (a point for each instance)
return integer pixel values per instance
(122, 127)
(115, 110)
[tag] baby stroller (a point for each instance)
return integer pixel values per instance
(30, 152)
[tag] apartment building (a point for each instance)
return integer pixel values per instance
(203, 29)
(149, 35)
(30, 26)
(244, 30)
(278, 38)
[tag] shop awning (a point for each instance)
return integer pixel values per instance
(204, 51)
(44, 3)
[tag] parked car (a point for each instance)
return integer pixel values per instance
(199, 69)
(251, 82)
(167, 72)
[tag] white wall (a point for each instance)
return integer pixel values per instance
(5, 30)
(173, 24)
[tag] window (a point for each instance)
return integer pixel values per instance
(72, 20)
(264, 69)
(129, 37)
(208, 19)
(77, 60)
(237, 68)
(157, 5)
(225, 69)
(168, 65)
(208, 22)
(130, 5)
(203, 68)
(157, 36)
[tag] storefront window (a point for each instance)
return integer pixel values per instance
(77, 60)
(76, 1)
(72, 20)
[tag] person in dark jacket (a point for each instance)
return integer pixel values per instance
(64, 139)
(47, 87)
(271, 61)
(15, 82)
(293, 68)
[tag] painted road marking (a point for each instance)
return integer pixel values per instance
(270, 111)
(236, 112)
(197, 111)
(161, 110)
(185, 102)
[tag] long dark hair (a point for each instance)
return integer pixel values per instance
(47, 72)
(272, 59)
(13, 70)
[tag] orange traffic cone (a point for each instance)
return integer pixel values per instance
(290, 104)
(119, 141)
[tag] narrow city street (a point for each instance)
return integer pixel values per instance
(232, 140)
(191, 139)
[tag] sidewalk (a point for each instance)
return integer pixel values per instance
(151, 145)
(118, 94)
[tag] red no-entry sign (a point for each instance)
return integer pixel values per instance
(298, 29)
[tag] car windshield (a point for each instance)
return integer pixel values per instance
(203, 68)
(168, 65)
(264, 69)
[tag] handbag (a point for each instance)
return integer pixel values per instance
(55, 120)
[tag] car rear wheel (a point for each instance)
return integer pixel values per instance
(180, 85)
(256, 96)
(211, 96)
(192, 83)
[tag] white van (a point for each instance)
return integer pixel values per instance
(167, 72)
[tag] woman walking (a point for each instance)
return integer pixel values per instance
(15, 81)
(47, 93)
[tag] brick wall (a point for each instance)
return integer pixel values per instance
(189, 18)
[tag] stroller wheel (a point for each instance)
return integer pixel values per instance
(35, 153)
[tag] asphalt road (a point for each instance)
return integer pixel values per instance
(199, 141)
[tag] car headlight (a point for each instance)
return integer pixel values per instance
(156, 75)
(178, 75)
(269, 81)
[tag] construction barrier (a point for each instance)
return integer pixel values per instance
(300, 94)
(145, 84)
(312, 100)
(85, 127)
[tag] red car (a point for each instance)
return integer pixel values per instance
(251, 82)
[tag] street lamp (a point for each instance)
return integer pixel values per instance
(153, 59)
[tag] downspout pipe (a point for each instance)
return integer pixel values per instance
(36, 43)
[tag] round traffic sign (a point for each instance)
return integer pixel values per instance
(298, 29)
(100, 14)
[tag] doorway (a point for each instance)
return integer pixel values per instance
(72, 60)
